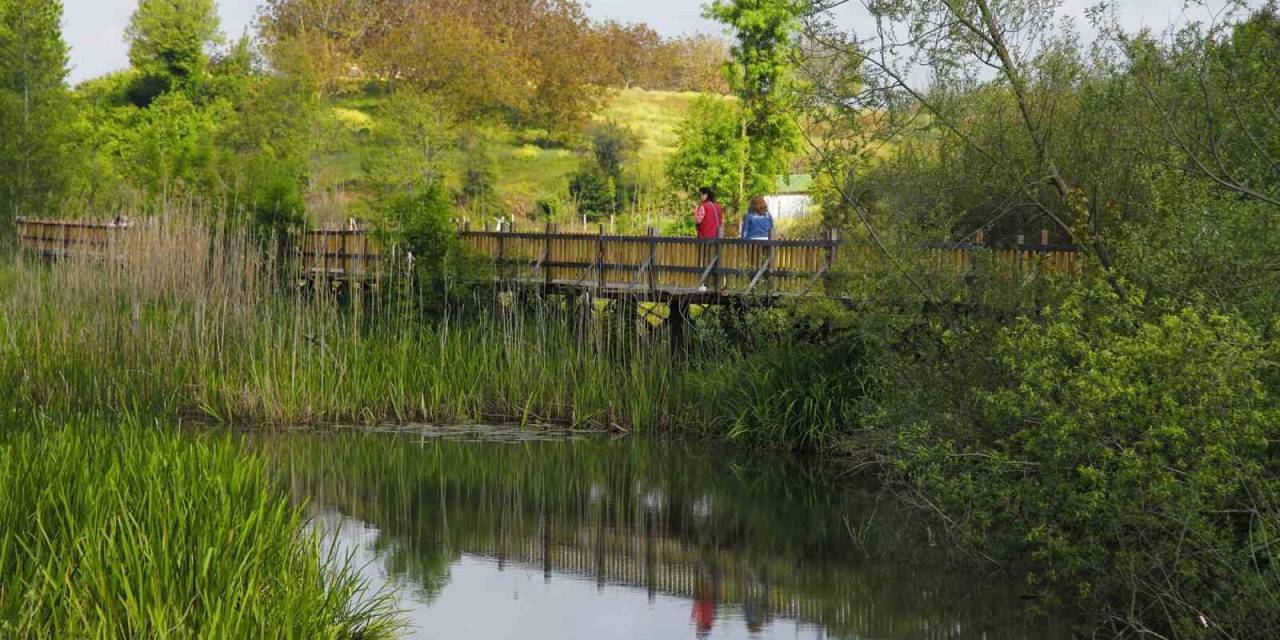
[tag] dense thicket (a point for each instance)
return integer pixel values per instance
(1118, 438)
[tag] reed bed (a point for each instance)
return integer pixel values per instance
(126, 531)
(186, 320)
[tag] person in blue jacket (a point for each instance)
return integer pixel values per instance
(758, 225)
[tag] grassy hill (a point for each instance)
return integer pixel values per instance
(527, 167)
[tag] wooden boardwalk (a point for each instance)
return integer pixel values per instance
(647, 268)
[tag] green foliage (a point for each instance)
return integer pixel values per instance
(422, 220)
(127, 530)
(479, 177)
(594, 191)
(171, 147)
(1135, 441)
(760, 74)
(612, 146)
(411, 139)
(169, 41)
(805, 396)
(709, 150)
(263, 150)
(36, 114)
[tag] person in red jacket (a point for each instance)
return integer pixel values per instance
(709, 215)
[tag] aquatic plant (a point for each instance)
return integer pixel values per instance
(125, 530)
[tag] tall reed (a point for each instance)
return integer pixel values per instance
(133, 532)
(186, 320)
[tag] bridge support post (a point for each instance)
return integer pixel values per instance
(678, 321)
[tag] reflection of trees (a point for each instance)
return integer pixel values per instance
(764, 533)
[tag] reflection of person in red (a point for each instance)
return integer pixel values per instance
(704, 609)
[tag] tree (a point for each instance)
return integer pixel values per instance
(612, 145)
(710, 150)
(760, 74)
(1211, 94)
(412, 139)
(533, 61)
(35, 108)
(169, 42)
(594, 191)
(633, 54)
(479, 191)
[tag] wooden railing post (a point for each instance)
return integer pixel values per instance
(1019, 254)
(342, 253)
(502, 251)
(833, 239)
(768, 268)
(600, 254)
(653, 261)
(324, 252)
(717, 255)
(546, 260)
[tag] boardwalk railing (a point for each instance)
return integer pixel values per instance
(340, 254)
(656, 266)
(68, 238)
(650, 265)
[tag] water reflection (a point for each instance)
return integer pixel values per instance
(632, 538)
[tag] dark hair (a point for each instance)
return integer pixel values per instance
(709, 193)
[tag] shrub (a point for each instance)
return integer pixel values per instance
(612, 145)
(594, 191)
(422, 222)
(479, 189)
(1128, 455)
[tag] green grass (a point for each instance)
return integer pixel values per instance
(655, 116)
(526, 169)
(128, 531)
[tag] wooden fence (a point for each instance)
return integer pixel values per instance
(647, 266)
(340, 254)
(654, 266)
(961, 259)
(60, 239)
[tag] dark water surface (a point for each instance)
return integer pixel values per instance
(488, 534)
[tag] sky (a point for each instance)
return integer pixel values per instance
(94, 29)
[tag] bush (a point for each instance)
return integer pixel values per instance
(612, 145)
(276, 195)
(594, 191)
(422, 222)
(1130, 458)
(479, 190)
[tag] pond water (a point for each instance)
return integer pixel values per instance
(487, 533)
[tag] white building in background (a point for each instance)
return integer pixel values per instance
(791, 199)
(789, 206)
